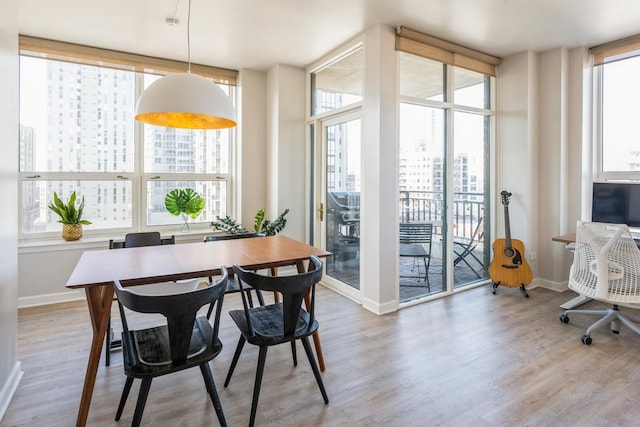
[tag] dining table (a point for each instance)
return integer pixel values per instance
(97, 270)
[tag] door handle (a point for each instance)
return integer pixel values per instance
(321, 211)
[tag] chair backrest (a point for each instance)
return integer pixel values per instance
(606, 263)
(179, 309)
(217, 237)
(413, 233)
(293, 289)
(136, 240)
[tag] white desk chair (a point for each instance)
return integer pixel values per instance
(606, 267)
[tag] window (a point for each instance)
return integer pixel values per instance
(78, 133)
(617, 98)
(338, 84)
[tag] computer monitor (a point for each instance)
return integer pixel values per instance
(616, 203)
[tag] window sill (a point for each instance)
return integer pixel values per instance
(98, 242)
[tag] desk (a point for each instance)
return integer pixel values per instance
(97, 270)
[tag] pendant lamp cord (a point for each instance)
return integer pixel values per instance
(189, 38)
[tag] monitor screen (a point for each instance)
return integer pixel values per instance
(616, 203)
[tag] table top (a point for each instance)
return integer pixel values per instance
(149, 264)
(565, 238)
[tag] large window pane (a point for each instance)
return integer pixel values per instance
(620, 112)
(75, 118)
(338, 84)
(422, 190)
(421, 78)
(108, 204)
(214, 193)
(470, 89)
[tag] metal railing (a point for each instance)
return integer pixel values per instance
(428, 206)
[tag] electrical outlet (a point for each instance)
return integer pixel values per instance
(533, 256)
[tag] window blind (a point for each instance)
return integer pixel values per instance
(430, 47)
(616, 50)
(70, 52)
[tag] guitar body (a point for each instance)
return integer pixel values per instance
(509, 266)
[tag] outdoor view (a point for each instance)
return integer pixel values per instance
(77, 133)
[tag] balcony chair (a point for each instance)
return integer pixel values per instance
(184, 341)
(463, 247)
(415, 242)
(606, 267)
(279, 323)
(135, 240)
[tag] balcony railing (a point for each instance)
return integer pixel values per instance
(428, 206)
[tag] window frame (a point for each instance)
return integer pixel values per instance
(138, 177)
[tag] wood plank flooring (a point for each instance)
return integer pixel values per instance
(474, 359)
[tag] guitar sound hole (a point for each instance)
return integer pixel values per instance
(509, 252)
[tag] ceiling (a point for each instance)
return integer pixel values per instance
(257, 34)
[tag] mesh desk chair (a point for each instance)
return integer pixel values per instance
(606, 267)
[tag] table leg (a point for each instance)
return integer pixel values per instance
(99, 300)
(316, 335)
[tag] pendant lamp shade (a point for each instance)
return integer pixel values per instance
(187, 101)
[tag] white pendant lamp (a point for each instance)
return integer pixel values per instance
(185, 100)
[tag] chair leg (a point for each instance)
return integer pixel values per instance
(314, 367)
(294, 353)
(262, 357)
(213, 393)
(236, 356)
(107, 344)
(426, 274)
(142, 400)
(123, 398)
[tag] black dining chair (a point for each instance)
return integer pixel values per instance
(274, 324)
(131, 240)
(184, 341)
(232, 287)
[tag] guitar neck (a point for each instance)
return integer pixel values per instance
(507, 228)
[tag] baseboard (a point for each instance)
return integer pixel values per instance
(9, 388)
(380, 309)
(548, 284)
(46, 299)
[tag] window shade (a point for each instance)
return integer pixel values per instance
(616, 50)
(69, 52)
(430, 47)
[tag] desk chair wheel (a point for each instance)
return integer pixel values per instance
(586, 339)
(564, 318)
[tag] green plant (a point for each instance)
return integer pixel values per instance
(186, 202)
(269, 228)
(68, 212)
(263, 226)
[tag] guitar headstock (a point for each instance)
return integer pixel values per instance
(504, 196)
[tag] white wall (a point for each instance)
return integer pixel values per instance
(286, 152)
(252, 149)
(379, 276)
(540, 148)
(10, 371)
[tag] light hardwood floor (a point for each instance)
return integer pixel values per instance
(474, 359)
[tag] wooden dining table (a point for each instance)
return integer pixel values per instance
(96, 272)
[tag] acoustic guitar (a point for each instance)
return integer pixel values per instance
(509, 266)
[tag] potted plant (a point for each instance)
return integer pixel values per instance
(261, 226)
(186, 202)
(70, 216)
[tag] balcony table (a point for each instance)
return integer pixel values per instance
(96, 271)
